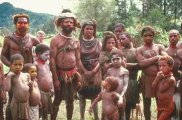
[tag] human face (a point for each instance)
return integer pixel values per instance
(45, 56)
(110, 44)
(33, 72)
(116, 60)
(68, 25)
(148, 37)
(174, 38)
(88, 31)
(22, 26)
(118, 31)
(17, 66)
(41, 37)
(164, 67)
(124, 40)
(106, 85)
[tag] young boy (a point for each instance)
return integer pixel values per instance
(44, 79)
(164, 84)
(35, 97)
(20, 84)
(117, 70)
(2, 93)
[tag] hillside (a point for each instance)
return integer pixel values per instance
(37, 20)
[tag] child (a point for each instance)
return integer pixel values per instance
(109, 98)
(44, 79)
(2, 93)
(20, 84)
(117, 70)
(35, 97)
(164, 84)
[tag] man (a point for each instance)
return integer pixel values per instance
(172, 49)
(64, 60)
(20, 41)
(41, 36)
(147, 57)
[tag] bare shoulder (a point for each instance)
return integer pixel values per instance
(34, 39)
(55, 39)
(160, 46)
(125, 71)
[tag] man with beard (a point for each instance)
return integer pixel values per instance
(64, 61)
(19, 42)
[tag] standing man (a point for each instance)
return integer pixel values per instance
(64, 61)
(174, 37)
(20, 41)
(147, 57)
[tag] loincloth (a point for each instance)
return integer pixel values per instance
(132, 93)
(46, 101)
(34, 112)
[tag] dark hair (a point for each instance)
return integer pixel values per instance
(41, 48)
(89, 22)
(16, 57)
(106, 36)
(148, 28)
(27, 67)
(117, 51)
(120, 25)
(168, 59)
(66, 10)
(20, 15)
(113, 82)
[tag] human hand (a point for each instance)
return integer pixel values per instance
(90, 110)
(120, 102)
(30, 84)
(139, 112)
(160, 75)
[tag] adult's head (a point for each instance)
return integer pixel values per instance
(118, 29)
(67, 22)
(21, 22)
(174, 37)
(109, 41)
(88, 30)
(148, 34)
(40, 35)
(125, 40)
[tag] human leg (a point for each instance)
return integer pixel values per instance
(147, 104)
(95, 110)
(82, 104)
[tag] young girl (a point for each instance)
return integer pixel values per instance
(109, 42)
(35, 97)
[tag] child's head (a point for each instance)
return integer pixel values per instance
(110, 83)
(166, 64)
(31, 69)
(43, 52)
(109, 41)
(16, 63)
(116, 57)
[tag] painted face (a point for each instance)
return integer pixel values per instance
(124, 40)
(164, 67)
(33, 72)
(88, 31)
(118, 31)
(110, 44)
(22, 25)
(174, 38)
(116, 60)
(148, 37)
(17, 66)
(68, 25)
(45, 56)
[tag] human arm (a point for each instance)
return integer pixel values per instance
(1, 75)
(96, 100)
(5, 53)
(169, 82)
(143, 61)
(7, 81)
(157, 79)
(53, 53)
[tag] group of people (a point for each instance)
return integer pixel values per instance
(88, 69)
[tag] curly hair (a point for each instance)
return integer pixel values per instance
(20, 15)
(113, 82)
